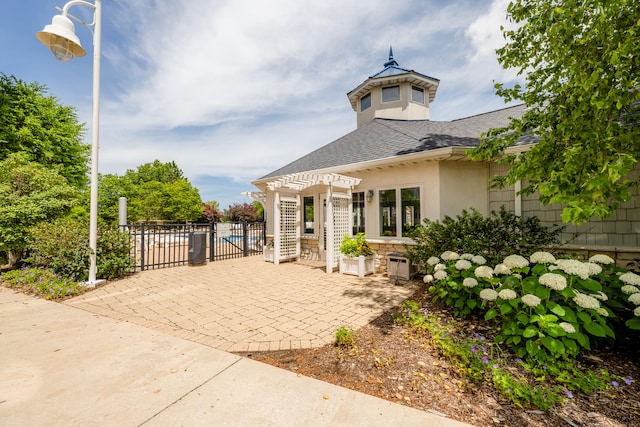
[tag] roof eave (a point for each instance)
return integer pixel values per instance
(426, 82)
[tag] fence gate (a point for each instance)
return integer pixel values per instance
(156, 246)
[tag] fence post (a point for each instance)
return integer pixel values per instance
(142, 246)
(245, 239)
(212, 241)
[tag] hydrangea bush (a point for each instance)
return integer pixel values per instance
(547, 307)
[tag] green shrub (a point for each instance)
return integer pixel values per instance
(63, 247)
(545, 308)
(345, 337)
(494, 237)
(355, 246)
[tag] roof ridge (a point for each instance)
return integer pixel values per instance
(488, 112)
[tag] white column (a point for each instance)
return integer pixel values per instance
(277, 228)
(330, 232)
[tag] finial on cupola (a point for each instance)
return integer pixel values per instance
(391, 60)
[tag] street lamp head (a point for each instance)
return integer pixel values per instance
(61, 39)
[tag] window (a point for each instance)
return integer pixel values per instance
(309, 214)
(365, 102)
(409, 201)
(417, 95)
(387, 212)
(358, 212)
(391, 93)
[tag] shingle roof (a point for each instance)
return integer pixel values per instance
(385, 138)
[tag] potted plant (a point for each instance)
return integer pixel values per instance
(268, 252)
(356, 256)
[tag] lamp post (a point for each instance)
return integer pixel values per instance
(63, 43)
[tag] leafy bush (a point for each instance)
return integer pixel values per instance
(41, 282)
(501, 234)
(63, 247)
(547, 308)
(355, 246)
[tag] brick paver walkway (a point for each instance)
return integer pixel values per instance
(246, 304)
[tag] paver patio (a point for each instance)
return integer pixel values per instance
(246, 304)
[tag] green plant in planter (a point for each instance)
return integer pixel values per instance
(355, 246)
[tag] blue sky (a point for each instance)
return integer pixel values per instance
(232, 90)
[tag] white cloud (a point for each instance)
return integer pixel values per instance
(238, 89)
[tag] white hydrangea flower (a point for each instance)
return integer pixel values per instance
(463, 264)
(488, 294)
(439, 267)
(440, 274)
(449, 256)
(629, 289)
(468, 257)
(427, 278)
(479, 260)
(553, 280)
(601, 259)
(634, 299)
(484, 272)
(469, 282)
(568, 327)
(507, 294)
(636, 312)
(594, 269)
(574, 267)
(586, 301)
(603, 312)
(515, 261)
(531, 300)
(542, 257)
(433, 260)
(601, 296)
(630, 278)
(502, 269)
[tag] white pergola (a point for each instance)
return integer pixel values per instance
(287, 213)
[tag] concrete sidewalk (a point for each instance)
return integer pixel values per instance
(60, 365)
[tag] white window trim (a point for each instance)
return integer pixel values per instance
(398, 189)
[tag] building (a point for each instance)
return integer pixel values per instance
(398, 168)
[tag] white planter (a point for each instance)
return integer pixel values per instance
(267, 253)
(357, 266)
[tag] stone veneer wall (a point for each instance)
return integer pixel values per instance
(618, 236)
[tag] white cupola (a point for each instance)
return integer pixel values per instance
(393, 93)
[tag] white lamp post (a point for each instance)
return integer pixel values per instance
(61, 39)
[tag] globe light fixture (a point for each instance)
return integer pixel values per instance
(64, 44)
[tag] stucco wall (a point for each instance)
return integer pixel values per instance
(404, 109)
(463, 185)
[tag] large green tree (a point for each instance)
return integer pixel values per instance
(154, 191)
(580, 60)
(35, 123)
(30, 194)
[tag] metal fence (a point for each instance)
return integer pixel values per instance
(157, 246)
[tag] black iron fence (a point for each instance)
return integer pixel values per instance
(168, 245)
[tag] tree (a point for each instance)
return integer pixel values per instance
(30, 194)
(211, 212)
(241, 212)
(581, 62)
(36, 124)
(155, 191)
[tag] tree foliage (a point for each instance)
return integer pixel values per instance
(239, 212)
(30, 194)
(33, 123)
(155, 191)
(581, 62)
(210, 212)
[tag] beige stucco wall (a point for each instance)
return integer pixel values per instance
(463, 185)
(404, 109)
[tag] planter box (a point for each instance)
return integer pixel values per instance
(357, 266)
(268, 254)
